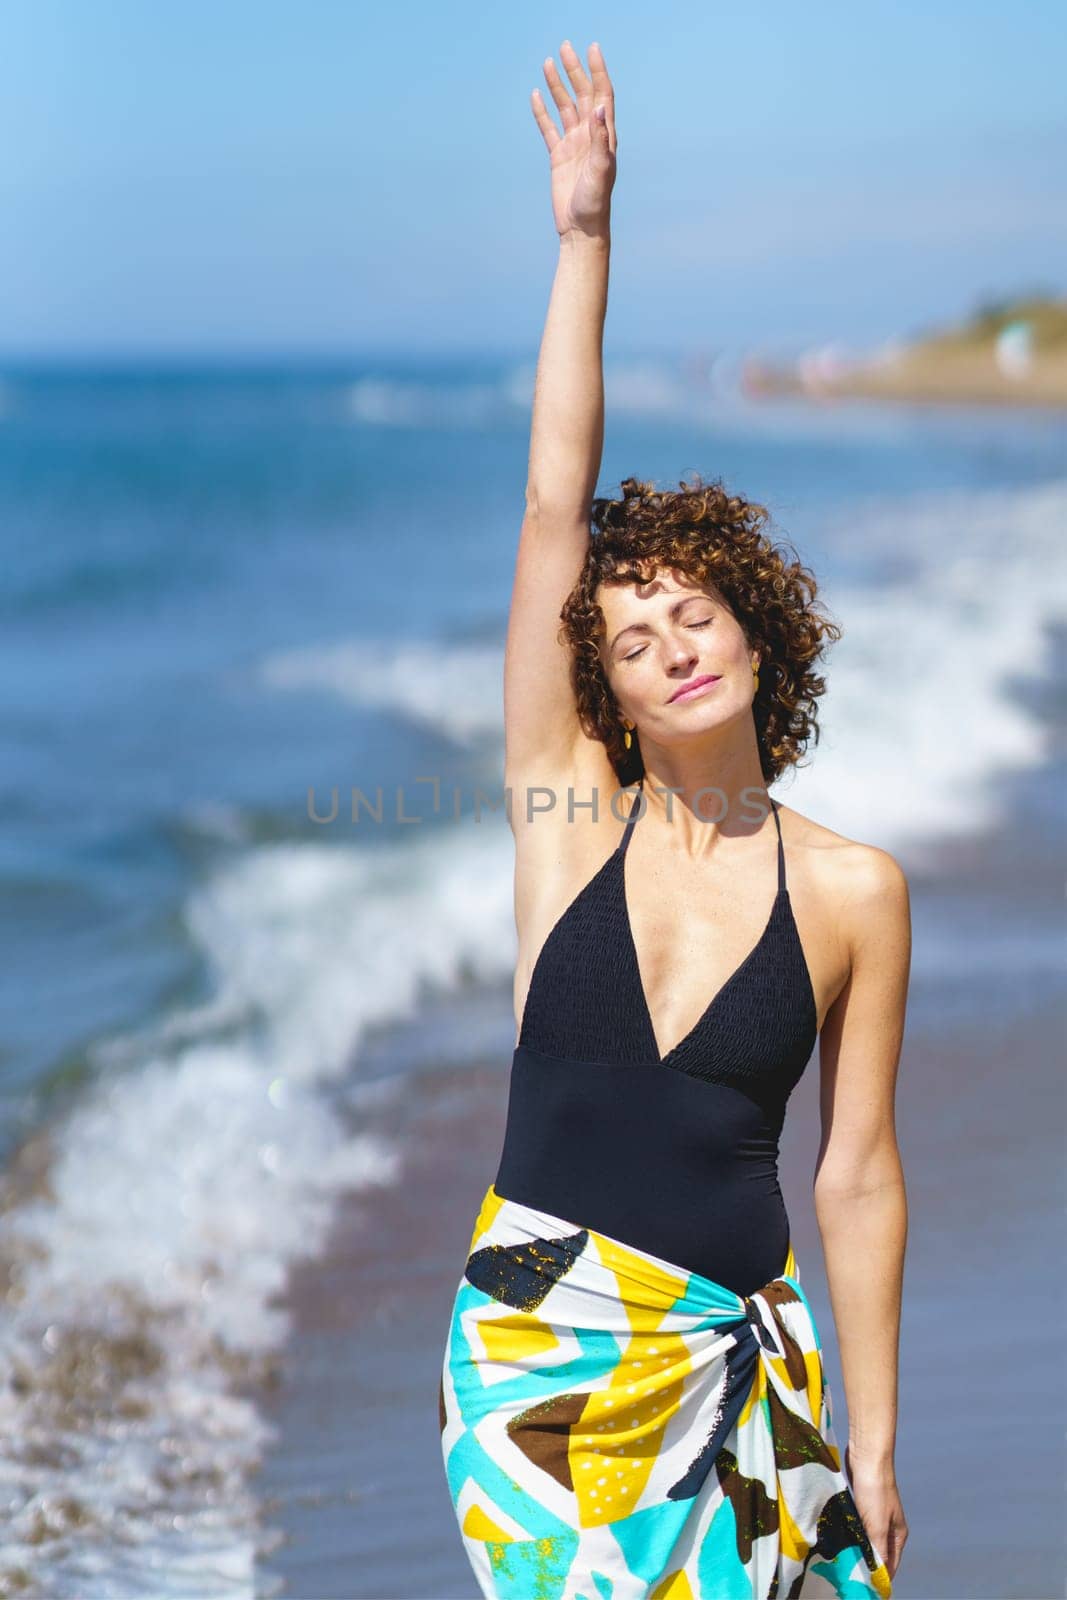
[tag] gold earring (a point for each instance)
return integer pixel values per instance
(626, 737)
(755, 676)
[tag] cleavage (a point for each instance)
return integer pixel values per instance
(699, 990)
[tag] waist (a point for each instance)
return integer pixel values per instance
(681, 1168)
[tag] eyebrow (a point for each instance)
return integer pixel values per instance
(646, 627)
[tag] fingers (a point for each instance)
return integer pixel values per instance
(603, 93)
(590, 91)
(543, 120)
(568, 114)
(572, 61)
(602, 89)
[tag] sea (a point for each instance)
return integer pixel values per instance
(255, 875)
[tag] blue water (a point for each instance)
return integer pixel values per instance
(221, 591)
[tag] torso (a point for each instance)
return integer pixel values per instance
(665, 1016)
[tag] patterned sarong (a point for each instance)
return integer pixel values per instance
(618, 1428)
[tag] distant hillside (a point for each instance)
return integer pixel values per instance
(1014, 351)
(1047, 319)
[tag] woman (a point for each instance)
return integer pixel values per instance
(633, 1399)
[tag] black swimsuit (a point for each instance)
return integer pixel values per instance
(680, 1162)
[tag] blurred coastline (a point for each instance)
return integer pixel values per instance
(1012, 353)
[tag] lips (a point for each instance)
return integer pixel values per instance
(689, 690)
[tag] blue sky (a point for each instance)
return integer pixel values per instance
(324, 178)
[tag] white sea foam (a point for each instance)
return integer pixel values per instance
(203, 1161)
(922, 706)
(648, 386)
(457, 691)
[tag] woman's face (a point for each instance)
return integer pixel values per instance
(661, 639)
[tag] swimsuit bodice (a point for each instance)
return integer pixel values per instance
(678, 1151)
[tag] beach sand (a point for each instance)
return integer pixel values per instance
(356, 1483)
(980, 362)
(966, 378)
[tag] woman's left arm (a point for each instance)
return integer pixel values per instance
(859, 1194)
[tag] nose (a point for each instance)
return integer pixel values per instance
(682, 652)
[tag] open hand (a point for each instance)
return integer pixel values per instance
(583, 156)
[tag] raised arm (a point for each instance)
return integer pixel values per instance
(567, 428)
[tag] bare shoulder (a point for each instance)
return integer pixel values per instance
(854, 880)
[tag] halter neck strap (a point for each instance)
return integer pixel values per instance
(781, 847)
(632, 818)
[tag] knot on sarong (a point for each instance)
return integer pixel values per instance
(760, 1333)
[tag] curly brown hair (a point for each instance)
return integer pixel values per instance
(712, 536)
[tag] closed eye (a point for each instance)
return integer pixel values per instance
(640, 652)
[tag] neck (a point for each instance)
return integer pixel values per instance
(706, 805)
